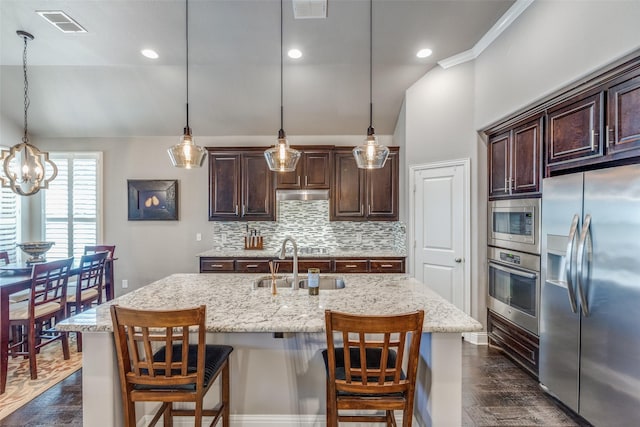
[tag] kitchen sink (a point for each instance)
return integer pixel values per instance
(325, 282)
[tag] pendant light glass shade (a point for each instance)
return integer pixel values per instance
(187, 154)
(24, 167)
(281, 157)
(371, 155)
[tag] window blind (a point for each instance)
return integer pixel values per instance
(71, 208)
(9, 213)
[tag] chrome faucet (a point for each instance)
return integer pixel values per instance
(294, 285)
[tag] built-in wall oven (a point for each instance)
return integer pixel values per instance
(515, 224)
(514, 286)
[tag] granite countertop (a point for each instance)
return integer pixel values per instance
(330, 253)
(234, 306)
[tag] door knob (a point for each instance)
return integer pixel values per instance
(458, 260)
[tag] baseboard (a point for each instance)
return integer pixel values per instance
(280, 420)
(476, 338)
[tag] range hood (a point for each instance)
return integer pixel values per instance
(302, 194)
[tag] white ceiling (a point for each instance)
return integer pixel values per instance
(98, 84)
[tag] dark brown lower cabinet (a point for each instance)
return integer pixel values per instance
(286, 266)
(518, 344)
(326, 265)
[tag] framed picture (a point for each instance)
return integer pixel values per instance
(153, 200)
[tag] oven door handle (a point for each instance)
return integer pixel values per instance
(569, 261)
(513, 271)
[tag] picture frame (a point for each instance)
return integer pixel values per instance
(152, 200)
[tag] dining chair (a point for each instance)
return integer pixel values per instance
(108, 268)
(4, 257)
(158, 363)
(33, 321)
(86, 290)
(373, 367)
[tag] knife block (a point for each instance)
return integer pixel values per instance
(254, 242)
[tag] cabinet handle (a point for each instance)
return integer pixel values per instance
(351, 266)
(610, 141)
(362, 208)
(506, 185)
(306, 180)
(243, 210)
(369, 209)
(216, 265)
(252, 265)
(298, 180)
(386, 265)
(593, 139)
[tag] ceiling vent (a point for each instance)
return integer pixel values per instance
(309, 9)
(61, 21)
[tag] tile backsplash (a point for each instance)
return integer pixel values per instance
(308, 223)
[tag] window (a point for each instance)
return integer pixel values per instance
(72, 204)
(9, 224)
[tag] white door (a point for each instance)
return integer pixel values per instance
(439, 208)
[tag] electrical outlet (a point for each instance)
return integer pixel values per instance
(125, 283)
(198, 237)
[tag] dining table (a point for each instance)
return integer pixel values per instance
(15, 277)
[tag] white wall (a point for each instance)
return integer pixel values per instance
(150, 250)
(550, 45)
(439, 126)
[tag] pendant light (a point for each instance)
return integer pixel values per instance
(281, 157)
(187, 154)
(23, 164)
(371, 155)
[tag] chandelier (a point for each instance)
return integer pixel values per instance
(23, 165)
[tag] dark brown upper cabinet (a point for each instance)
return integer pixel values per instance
(313, 170)
(574, 131)
(514, 159)
(240, 186)
(623, 118)
(359, 194)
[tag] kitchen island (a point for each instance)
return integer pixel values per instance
(277, 372)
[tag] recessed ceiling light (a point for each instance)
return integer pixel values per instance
(423, 53)
(149, 53)
(294, 53)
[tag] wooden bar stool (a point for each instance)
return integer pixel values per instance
(367, 372)
(158, 364)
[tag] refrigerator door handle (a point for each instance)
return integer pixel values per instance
(569, 263)
(584, 236)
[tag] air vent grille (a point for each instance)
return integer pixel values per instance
(309, 9)
(61, 21)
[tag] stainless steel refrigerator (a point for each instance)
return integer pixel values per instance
(590, 295)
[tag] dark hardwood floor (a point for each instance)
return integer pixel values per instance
(494, 393)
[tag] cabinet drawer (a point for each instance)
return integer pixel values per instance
(352, 266)
(210, 265)
(324, 265)
(520, 345)
(252, 266)
(387, 266)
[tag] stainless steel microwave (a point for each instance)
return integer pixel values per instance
(515, 224)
